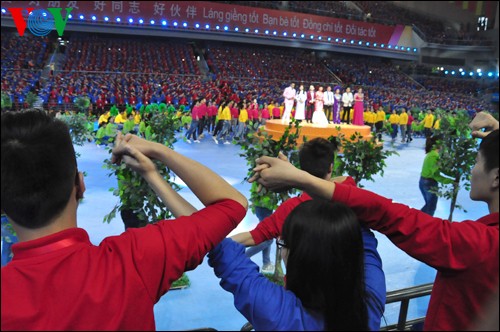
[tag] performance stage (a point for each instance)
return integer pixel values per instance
(276, 128)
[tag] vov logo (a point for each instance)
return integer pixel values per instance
(40, 22)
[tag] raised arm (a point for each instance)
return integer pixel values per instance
(276, 175)
(245, 238)
(207, 185)
(144, 166)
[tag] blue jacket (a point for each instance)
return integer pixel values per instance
(271, 307)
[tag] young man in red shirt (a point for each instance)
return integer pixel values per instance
(59, 280)
(465, 253)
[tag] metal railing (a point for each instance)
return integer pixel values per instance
(404, 296)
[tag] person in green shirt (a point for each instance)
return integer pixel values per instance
(430, 176)
(129, 125)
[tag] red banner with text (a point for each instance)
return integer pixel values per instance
(276, 22)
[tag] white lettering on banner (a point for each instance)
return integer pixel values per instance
(254, 17)
(191, 12)
(310, 24)
(234, 16)
(283, 21)
(175, 10)
(213, 14)
(99, 5)
(134, 7)
(339, 27)
(294, 22)
(71, 4)
(327, 27)
(158, 8)
(117, 6)
(352, 29)
(269, 20)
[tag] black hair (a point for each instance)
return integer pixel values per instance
(316, 156)
(325, 263)
(430, 142)
(489, 150)
(38, 167)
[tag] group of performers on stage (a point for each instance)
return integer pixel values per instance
(321, 108)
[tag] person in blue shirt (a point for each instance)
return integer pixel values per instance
(333, 274)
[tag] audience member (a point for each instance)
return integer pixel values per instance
(465, 253)
(55, 265)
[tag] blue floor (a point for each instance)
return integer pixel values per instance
(204, 303)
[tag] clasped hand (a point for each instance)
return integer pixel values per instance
(133, 150)
(275, 174)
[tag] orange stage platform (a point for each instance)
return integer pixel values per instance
(276, 128)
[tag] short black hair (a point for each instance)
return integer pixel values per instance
(489, 150)
(38, 167)
(316, 156)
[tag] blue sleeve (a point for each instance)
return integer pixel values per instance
(265, 305)
(374, 280)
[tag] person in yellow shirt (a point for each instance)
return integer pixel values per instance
(428, 123)
(242, 122)
(137, 117)
(403, 121)
(103, 119)
(379, 122)
(218, 126)
(366, 117)
(394, 121)
(373, 117)
(225, 117)
(270, 107)
(437, 123)
(121, 117)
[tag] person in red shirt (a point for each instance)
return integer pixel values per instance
(276, 111)
(264, 114)
(59, 280)
(465, 254)
(408, 127)
(316, 158)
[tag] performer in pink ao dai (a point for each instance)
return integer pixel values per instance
(357, 118)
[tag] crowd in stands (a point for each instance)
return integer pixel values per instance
(119, 71)
(112, 54)
(264, 63)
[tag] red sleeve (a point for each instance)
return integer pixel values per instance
(271, 226)
(434, 241)
(161, 252)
